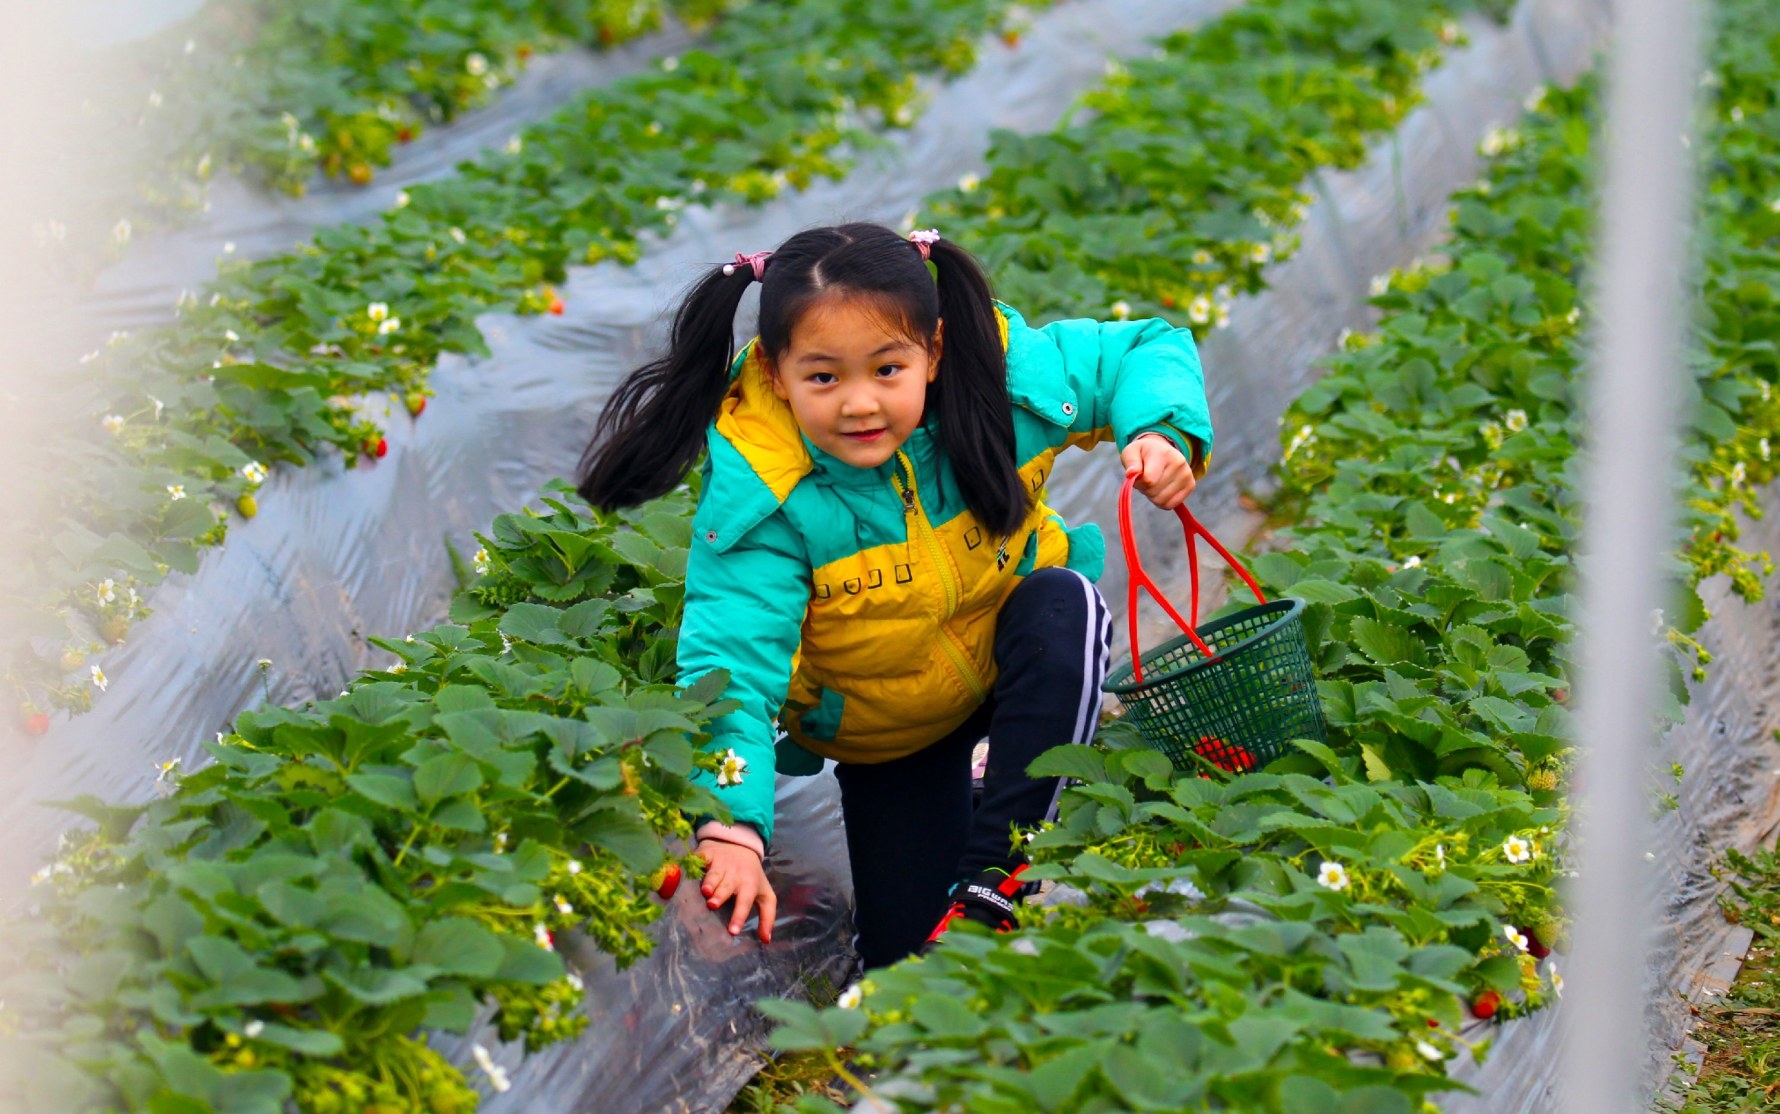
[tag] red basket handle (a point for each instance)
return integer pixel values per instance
(1137, 578)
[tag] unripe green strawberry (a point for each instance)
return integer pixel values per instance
(248, 506)
(1542, 780)
(416, 403)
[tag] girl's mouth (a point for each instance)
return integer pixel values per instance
(864, 435)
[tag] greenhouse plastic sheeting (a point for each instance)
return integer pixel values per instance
(140, 291)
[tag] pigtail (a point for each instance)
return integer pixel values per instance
(969, 397)
(653, 429)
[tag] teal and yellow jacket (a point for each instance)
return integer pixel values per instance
(856, 607)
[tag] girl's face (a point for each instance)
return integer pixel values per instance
(856, 388)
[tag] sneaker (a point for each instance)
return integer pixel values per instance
(989, 899)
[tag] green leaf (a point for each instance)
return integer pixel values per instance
(446, 775)
(1385, 644)
(459, 946)
(385, 789)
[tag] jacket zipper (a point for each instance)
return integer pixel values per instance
(919, 524)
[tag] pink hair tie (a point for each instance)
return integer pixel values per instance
(924, 239)
(756, 261)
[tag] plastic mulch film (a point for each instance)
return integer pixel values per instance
(244, 222)
(337, 556)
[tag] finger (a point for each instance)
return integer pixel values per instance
(708, 884)
(769, 912)
(744, 903)
(726, 886)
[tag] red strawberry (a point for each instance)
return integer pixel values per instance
(37, 723)
(1560, 695)
(668, 881)
(404, 134)
(1225, 755)
(378, 448)
(1011, 38)
(416, 404)
(556, 305)
(1535, 947)
(1486, 1004)
(1432, 1024)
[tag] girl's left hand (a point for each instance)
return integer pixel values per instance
(1163, 474)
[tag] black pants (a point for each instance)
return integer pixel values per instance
(911, 828)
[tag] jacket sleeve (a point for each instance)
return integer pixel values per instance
(744, 612)
(1134, 377)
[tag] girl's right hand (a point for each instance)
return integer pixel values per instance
(732, 870)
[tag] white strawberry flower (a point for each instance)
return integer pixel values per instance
(563, 906)
(106, 590)
(176, 492)
(1765, 450)
(480, 562)
(1517, 850)
(1658, 623)
(515, 145)
(1429, 1052)
(1574, 315)
(165, 771)
(456, 234)
(1379, 285)
(402, 199)
(1738, 474)
(969, 183)
(1440, 855)
(1333, 876)
(575, 981)
(254, 472)
(1516, 937)
(121, 231)
(1412, 562)
(732, 769)
(100, 681)
(1557, 980)
(253, 1029)
(1121, 310)
(113, 424)
(850, 998)
(1199, 310)
(377, 311)
(497, 1075)
(1222, 320)
(1515, 420)
(574, 866)
(476, 64)
(1260, 253)
(389, 326)
(542, 937)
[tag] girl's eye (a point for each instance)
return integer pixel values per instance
(889, 369)
(823, 378)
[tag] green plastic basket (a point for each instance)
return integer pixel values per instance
(1235, 692)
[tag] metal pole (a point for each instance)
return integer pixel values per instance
(1632, 419)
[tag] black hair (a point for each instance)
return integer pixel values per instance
(653, 430)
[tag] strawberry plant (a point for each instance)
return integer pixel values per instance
(277, 92)
(282, 359)
(284, 925)
(1183, 176)
(1429, 480)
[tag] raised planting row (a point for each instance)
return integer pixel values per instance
(279, 926)
(1183, 178)
(278, 362)
(1312, 937)
(277, 92)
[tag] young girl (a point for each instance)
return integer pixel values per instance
(872, 559)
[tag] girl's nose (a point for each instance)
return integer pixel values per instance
(859, 405)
